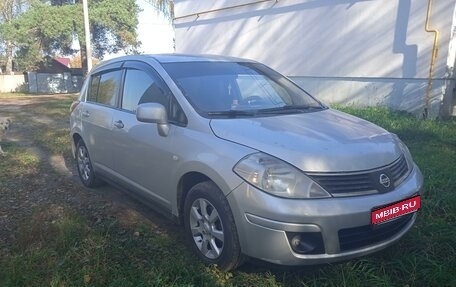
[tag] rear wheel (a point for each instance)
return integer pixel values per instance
(84, 164)
(210, 227)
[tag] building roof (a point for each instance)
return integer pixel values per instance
(63, 61)
(51, 65)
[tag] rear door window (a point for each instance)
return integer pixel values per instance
(104, 88)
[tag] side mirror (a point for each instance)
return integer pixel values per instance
(154, 113)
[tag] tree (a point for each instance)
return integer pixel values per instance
(46, 29)
(165, 6)
(9, 9)
(41, 31)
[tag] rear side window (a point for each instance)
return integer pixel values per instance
(104, 88)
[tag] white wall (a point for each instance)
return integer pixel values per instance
(11, 83)
(363, 52)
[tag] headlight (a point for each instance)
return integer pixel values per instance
(277, 177)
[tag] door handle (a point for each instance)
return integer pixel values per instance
(119, 124)
(86, 114)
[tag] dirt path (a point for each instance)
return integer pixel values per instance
(54, 185)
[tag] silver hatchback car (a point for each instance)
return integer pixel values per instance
(252, 165)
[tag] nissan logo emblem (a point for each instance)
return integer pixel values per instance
(385, 180)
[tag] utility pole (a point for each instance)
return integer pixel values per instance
(87, 35)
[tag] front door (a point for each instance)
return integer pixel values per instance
(143, 158)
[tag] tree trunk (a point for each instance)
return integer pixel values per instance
(9, 58)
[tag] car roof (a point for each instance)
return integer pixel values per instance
(169, 58)
(175, 58)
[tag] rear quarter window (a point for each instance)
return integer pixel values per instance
(93, 90)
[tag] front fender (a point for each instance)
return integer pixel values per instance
(215, 160)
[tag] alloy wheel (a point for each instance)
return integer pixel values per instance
(207, 228)
(84, 165)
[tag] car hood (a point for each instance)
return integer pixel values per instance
(323, 141)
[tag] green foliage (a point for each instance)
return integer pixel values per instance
(28, 57)
(113, 26)
(49, 29)
(9, 10)
(165, 6)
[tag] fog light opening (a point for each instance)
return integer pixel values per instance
(301, 246)
(306, 242)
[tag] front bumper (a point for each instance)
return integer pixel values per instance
(263, 222)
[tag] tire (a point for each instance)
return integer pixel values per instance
(210, 227)
(84, 166)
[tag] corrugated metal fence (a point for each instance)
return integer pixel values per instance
(58, 83)
(41, 83)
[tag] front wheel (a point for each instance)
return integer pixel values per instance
(210, 227)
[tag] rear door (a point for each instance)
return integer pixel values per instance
(97, 113)
(143, 158)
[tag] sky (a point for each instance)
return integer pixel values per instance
(154, 31)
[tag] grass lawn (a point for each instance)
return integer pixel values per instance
(54, 232)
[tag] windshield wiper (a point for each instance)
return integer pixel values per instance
(289, 109)
(277, 110)
(232, 113)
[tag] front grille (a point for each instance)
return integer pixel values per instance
(363, 182)
(398, 169)
(358, 237)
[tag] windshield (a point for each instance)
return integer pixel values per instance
(217, 89)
